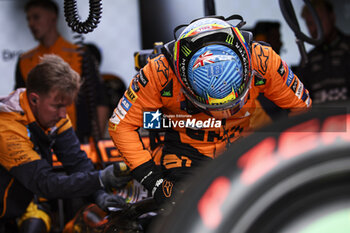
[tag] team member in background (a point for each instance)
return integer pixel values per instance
(326, 74)
(92, 103)
(206, 87)
(269, 32)
(33, 125)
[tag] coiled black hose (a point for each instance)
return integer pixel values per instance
(89, 95)
(290, 17)
(89, 71)
(73, 19)
(89, 68)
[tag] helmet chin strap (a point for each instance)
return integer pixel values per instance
(188, 107)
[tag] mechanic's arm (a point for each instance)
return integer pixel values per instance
(35, 173)
(40, 178)
(142, 95)
(68, 151)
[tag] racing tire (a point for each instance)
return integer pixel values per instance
(292, 176)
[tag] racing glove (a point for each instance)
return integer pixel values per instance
(151, 177)
(105, 200)
(114, 176)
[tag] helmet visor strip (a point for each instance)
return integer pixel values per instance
(187, 47)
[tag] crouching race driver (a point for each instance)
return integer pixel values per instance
(203, 94)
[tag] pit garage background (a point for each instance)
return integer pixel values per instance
(131, 25)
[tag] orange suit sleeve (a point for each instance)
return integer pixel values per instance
(142, 95)
(282, 86)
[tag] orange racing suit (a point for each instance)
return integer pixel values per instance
(157, 87)
(26, 159)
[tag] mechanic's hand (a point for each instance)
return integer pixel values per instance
(105, 200)
(114, 177)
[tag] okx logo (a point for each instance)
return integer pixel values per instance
(151, 120)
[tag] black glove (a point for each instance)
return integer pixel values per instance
(150, 176)
(114, 177)
(164, 192)
(105, 200)
(122, 172)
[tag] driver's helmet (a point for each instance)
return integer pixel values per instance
(212, 63)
